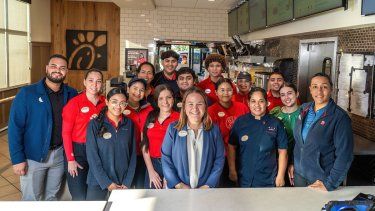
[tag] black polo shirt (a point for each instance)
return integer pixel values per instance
(57, 103)
(161, 79)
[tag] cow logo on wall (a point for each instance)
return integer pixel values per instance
(86, 49)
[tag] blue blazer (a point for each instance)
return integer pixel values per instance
(175, 157)
(327, 152)
(30, 122)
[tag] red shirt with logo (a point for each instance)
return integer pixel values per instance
(273, 101)
(209, 88)
(156, 133)
(76, 116)
(225, 117)
(139, 119)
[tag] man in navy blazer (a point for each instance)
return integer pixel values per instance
(34, 132)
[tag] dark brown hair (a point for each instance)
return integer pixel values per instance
(215, 58)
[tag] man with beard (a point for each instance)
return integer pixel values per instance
(35, 141)
(168, 75)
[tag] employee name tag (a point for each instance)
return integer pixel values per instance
(150, 125)
(107, 135)
(182, 133)
(127, 112)
(85, 109)
(179, 105)
(221, 114)
(207, 91)
(244, 138)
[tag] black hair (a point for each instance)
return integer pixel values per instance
(276, 73)
(101, 116)
(186, 70)
(323, 75)
(169, 53)
(258, 89)
(59, 56)
(146, 63)
(290, 85)
(223, 80)
(154, 114)
(93, 70)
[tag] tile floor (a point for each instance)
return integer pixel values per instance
(9, 182)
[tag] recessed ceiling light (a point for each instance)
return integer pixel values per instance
(143, 15)
(211, 0)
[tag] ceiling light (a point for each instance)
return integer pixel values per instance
(143, 15)
(211, 0)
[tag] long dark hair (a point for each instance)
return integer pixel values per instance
(154, 114)
(100, 119)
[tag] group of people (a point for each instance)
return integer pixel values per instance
(167, 130)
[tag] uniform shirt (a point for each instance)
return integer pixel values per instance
(139, 119)
(76, 116)
(177, 101)
(112, 156)
(257, 142)
(289, 121)
(225, 117)
(242, 99)
(161, 79)
(57, 103)
(194, 151)
(209, 88)
(273, 101)
(311, 118)
(156, 133)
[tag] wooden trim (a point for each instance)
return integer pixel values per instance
(40, 44)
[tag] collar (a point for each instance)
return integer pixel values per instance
(328, 109)
(100, 101)
(263, 118)
(49, 90)
(170, 78)
(113, 123)
(189, 128)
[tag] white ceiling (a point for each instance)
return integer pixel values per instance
(151, 4)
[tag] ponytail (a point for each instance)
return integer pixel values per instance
(100, 119)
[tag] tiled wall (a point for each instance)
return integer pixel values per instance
(138, 28)
(357, 40)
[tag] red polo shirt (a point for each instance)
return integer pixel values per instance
(139, 119)
(225, 117)
(76, 115)
(209, 88)
(156, 133)
(273, 101)
(242, 99)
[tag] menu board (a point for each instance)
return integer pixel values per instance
(368, 7)
(308, 7)
(243, 18)
(232, 23)
(279, 11)
(257, 14)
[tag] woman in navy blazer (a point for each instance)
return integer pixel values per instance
(176, 158)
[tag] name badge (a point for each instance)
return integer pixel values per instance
(179, 105)
(207, 91)
(182, 133)
(221, 114)
(85, 109)
(150, 125)
(127, 112)
(107, 135)
(244, 138)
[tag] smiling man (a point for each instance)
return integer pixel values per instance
(35, 140)
(276, 81)
(186, 79)
(168, 75)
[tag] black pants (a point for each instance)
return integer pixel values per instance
(156, 163)
(300, 181)
(77, 185)
(225, 182)
(139, 175)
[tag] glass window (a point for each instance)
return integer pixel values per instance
(2, 14)
(3, 73)
(17, 15)
(19, 72)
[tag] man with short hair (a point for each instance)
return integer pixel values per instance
(276, 81)
(168, 75)
(34, 132)
(186, 79)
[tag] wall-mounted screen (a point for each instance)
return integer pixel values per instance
(279, 11)
(243, 18)
(232, 23)
(304, 8)
(257, 14)
(368, 7)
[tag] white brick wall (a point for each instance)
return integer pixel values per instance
(138, 31)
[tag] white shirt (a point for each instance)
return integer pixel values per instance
(194, 149)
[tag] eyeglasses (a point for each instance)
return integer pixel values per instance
(121, 104)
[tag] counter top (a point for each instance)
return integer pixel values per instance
(231, 199)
